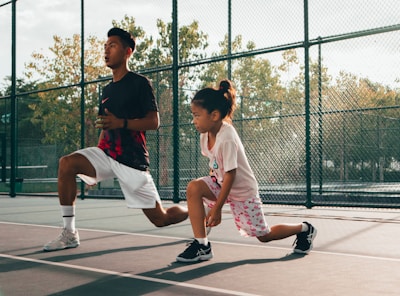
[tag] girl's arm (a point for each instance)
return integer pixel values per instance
(214, 216)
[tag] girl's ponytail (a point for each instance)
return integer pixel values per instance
(229, 93)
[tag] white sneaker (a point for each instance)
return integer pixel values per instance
(65, 240)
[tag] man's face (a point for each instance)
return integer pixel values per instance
(115, 54)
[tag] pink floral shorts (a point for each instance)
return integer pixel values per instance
(248, 215)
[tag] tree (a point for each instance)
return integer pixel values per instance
(26, 127)
(58, 111)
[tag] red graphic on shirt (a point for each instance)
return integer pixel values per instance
(111, 143)
(128, 148)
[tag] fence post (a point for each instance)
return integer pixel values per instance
(307, 106)
(13, 160)
(82, 84)
(175, 85)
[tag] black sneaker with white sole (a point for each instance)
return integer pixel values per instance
(195, 252)
(304, 240)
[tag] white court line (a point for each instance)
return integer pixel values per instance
(219, 242)
(127, 275)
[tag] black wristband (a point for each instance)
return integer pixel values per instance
(125, 123)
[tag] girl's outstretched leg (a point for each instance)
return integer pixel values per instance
(305, 234)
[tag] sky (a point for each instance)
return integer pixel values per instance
(267, 23)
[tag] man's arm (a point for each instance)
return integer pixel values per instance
(150, 122)
(110, 121)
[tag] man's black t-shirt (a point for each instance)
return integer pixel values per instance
(132, 97)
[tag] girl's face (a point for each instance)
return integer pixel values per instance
(202, 120)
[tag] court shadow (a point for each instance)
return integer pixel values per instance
(210, 268)
(119, 286)
(65, 255)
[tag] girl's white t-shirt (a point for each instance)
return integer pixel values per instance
(227, 154)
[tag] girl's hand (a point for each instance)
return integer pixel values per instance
(214, 217)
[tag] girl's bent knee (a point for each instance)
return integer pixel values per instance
(192, 185)
(193, 189)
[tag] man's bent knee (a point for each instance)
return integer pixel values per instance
(157, 216)
(158, 221)
(67, 161)
(161, 217)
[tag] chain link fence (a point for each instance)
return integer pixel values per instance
(318, 100)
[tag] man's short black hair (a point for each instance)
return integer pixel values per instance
(126, 37)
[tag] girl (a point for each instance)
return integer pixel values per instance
(231, 180)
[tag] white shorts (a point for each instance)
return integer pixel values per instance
(248, 215)
(137, 186)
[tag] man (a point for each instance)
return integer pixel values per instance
(128, 108)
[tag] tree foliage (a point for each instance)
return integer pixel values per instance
(26, 128)
(58, 111)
